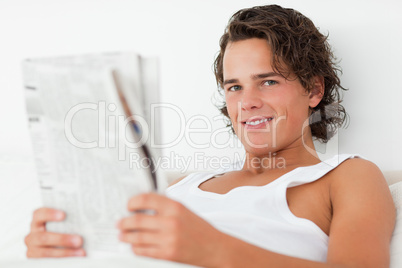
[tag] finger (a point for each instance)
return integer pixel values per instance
(43, 215)
(140, 239)
(46, 239)
(156, 252)
(38, 252)
(140, 222)
(152, 201)
(146, 251)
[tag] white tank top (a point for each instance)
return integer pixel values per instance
(260, 215)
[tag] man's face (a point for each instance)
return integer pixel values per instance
(267, 111)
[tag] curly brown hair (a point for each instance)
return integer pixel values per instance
(298, 48)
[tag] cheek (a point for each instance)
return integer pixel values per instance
(298, 113)
(231, 108)
(232, 116)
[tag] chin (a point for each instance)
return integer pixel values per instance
(258, 141)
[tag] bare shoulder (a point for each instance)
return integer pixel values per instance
(358, 176)
(358, 171)
(363, 214)
(359, 186)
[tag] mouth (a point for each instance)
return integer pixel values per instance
(257, 121)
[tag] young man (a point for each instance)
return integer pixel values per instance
(276, 71)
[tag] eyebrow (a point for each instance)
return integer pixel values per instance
(254, 77)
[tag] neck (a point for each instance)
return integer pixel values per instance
(295, 155)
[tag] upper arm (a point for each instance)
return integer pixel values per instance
(363, 216)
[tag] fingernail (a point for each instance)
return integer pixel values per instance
(118, 223)
(76, 241)
(59, 215)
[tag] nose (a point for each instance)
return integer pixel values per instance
(251, 99)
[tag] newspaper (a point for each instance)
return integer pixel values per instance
(84, 141)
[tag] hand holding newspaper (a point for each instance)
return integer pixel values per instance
(88, 119)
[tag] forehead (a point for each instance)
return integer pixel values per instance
(250, 55)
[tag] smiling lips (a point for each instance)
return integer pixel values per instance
(257, 122)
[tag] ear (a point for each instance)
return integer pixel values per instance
(317, 92)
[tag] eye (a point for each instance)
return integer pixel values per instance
(269, 83)
(234, 88)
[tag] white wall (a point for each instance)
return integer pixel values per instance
(366, 36)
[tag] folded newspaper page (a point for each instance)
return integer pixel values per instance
(87, 147)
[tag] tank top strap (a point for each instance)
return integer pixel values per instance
(193, 180)
(302, 176)
(312, 173)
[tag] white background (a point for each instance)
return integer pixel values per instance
(366, 37)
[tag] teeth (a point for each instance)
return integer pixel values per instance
(254, 123)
